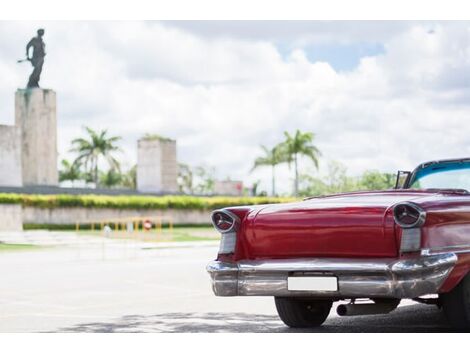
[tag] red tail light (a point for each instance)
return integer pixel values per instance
(227, 224)
(224, 221)
(409, 215)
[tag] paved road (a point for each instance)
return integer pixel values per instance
(111, 287)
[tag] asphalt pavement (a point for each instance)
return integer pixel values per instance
(125, 286)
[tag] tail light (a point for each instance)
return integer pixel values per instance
(410, 217)
(227, 224)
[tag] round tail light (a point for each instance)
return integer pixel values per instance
(224, 221)
(409, 215)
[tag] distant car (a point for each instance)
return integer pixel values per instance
(409, 242)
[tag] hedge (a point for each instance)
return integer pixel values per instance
(133, 202)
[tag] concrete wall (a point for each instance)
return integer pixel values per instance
(157, 166)
(35, 115)
(32, 215)
(10, 156)
(11, 218)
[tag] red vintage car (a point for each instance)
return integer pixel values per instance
(409, 242)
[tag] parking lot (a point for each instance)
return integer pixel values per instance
(96, 285)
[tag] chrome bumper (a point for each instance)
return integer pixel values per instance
(405, 278)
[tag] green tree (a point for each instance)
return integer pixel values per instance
(90, 150)
(206, 180)
(310, 186)
(70, 171)
(375, 180)
(271, 157)
(300, 143)
(110, 179)
(185, 179)
(253, 190)
(129, 179)
(335, 181)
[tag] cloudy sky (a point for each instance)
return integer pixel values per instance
(377, 95)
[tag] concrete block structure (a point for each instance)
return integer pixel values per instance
(10, 156)
(228, 188)
(35, 116)
(157, 166)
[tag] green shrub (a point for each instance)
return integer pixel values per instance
(133, 202)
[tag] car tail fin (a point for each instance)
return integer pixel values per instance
(228, 222)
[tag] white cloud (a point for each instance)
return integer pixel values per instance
(222, 96)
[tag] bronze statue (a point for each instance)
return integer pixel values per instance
(37, 59)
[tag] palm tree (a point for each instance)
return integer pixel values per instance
(271, 157)
(69, 172)
(300, 144)
(91, 150)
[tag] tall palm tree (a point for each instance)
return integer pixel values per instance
(69, 171)
(300, 144)
(271, 157)
(91, 150)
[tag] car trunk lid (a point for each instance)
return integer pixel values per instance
(345, 225)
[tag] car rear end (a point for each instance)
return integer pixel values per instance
(338, 248)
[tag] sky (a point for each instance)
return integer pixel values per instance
(382, 95)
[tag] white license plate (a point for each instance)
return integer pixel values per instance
(312, 283)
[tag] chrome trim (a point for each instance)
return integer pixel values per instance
(457, 249)
(357, 278)
(236, 220)
(224, 278)
(421, 217)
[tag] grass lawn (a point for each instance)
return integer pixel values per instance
(16, 247)
(178, 234)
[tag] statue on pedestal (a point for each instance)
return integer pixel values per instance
(37, 58)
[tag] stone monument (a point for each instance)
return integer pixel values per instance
(10, 156)
(157, 166)
(35, 115)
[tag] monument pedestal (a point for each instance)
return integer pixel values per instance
(35, 116)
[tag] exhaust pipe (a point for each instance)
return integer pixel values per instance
(364, 309)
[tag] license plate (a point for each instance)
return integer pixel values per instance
(312, 283)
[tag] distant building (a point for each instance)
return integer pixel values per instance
(157, 166)
(228, 188)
